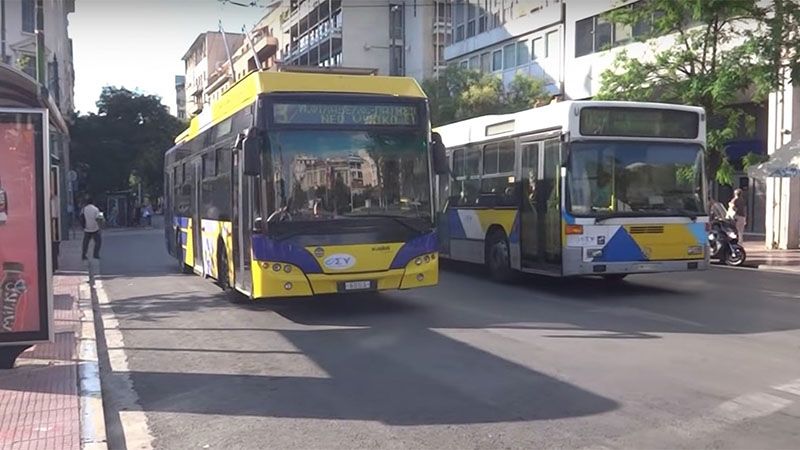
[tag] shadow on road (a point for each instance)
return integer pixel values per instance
(386, 357)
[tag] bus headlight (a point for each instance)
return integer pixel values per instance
(288, 286)
(418, 261)
(594, 252)
(276, 267)
(287, 268)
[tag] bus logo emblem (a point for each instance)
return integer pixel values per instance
(340, 261)
(319, 252)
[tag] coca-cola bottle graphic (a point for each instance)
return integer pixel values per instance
(13, 288)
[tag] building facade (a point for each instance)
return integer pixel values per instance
(180, 97)
(207, 53)
(392, 37)
(19, 48)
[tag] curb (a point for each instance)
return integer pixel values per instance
(92, 414)
(762, 268)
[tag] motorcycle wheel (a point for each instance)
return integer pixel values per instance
(735, 256)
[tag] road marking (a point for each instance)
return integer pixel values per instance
(93, 423)
(792, 387)
(134, 421)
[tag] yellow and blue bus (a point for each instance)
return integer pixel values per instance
(577, 188)
(297, 184)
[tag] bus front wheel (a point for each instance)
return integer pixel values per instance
(498, 257)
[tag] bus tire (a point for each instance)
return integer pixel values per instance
(222, 267)
(498, 256)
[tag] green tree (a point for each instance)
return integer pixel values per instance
(708, 65)
(485, 96)
(459, 94)
(124, 141)
(722, 51)
(526, 92)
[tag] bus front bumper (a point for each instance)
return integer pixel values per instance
(573, 264)
(290, 281)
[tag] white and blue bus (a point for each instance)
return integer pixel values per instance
(577, 188)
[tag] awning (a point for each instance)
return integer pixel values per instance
(785, 162)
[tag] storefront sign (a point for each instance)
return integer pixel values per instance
(25, 288)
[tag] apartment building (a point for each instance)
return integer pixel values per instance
(207, 53)
(391, 37)
(256, 52)
(506, 37)
(19, 49)
(180, 97)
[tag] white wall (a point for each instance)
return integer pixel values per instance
(365, 27)
(419, 40)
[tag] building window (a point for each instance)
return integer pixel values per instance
(523, 53)
(28, 16)
(474, 63)
(509, 56)
(395, 21)
(552, 44)
(464, 64)
(596, 33)
(497, 60)
(486, 62)
(538, 49)
(584, 36)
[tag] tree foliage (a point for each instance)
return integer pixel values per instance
(459, 94)
(722, 51)
(124, 143)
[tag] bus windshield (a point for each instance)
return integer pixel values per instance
(612, 178)
(334, 174)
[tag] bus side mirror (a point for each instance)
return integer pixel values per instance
(251, 147)
(440, 164)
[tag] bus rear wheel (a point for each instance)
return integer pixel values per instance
(498, 257)
(182, 267)
(222, 268)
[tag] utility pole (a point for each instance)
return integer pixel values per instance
(41, 62)
(3, 54)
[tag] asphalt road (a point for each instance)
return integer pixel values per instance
(700, 360)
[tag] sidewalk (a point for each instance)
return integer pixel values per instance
(776, 260)
(43, 399)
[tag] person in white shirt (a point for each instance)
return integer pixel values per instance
(91, 228)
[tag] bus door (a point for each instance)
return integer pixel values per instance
(242, 195)
(540, 211)
(197, 223)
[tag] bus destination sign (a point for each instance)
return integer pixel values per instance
(339, 114)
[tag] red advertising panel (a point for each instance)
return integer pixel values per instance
(24, 271)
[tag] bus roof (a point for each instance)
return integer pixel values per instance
(530, 121)
(246, 90)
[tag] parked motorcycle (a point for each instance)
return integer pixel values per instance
(723, 240)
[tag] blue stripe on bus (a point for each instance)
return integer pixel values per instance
(513, 238)
(621, 247)
(427, 243)
(265, 249)
(454, 222)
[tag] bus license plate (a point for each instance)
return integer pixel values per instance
(358, 285)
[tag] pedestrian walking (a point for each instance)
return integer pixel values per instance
(737, 210)
(90, 220)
